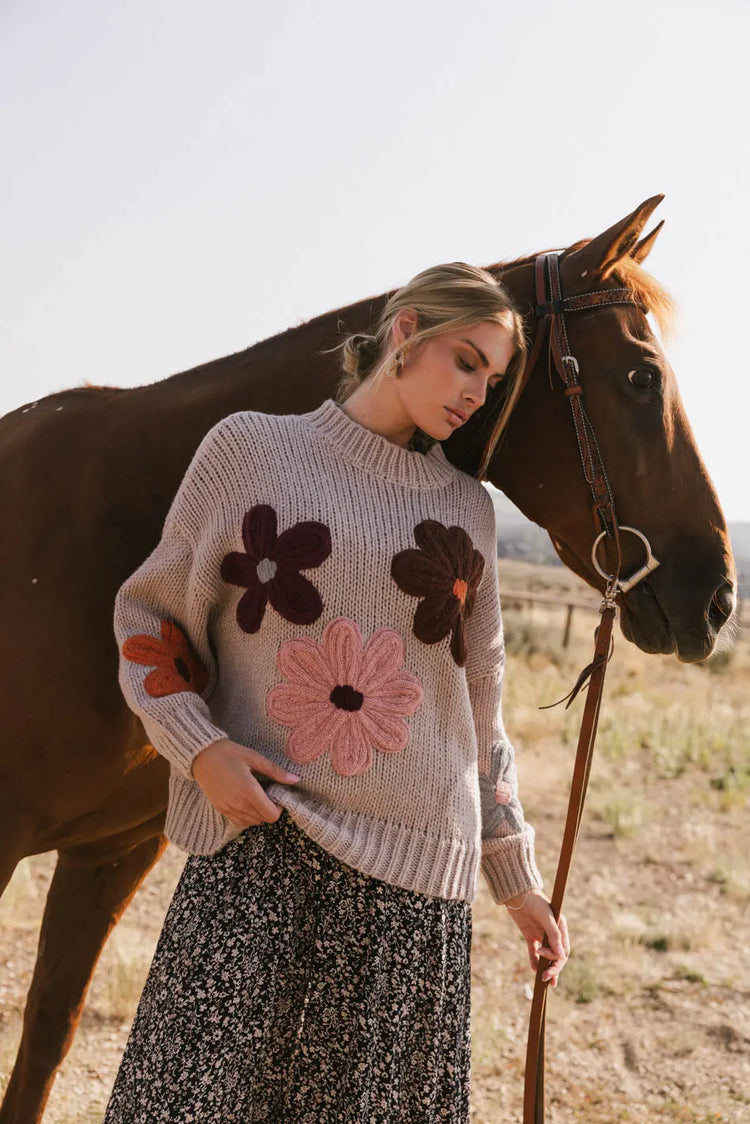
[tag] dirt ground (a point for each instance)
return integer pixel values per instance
(651, 1021)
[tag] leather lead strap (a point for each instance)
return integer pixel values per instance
(533, 1102)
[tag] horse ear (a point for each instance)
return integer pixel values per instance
(602, 253)
(640, 252)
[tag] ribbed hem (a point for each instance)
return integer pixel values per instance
(378, 454)
(443, 868)
(509, 865)
(179, 733)
(192, 823)
(423, 863)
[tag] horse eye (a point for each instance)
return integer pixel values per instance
(641, 378)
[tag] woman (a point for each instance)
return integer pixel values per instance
(314, 963)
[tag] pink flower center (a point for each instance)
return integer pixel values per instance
(266, 570)
(459, 589)
(346, 698)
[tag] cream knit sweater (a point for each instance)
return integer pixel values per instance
(330, 599)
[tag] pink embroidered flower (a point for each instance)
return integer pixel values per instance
(344, 697)
(503, 792)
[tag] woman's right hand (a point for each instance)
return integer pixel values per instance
(223, 770)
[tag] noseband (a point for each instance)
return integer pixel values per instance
(551, 309)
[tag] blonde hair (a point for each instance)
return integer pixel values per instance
(445, 298)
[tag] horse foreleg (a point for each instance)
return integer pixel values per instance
(85, 901)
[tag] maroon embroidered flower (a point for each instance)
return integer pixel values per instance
(176, 666)
(444, 572)
(269, 568)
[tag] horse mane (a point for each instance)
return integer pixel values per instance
(643, 285)
(649, 292)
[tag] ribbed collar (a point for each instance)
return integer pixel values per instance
(373, 451)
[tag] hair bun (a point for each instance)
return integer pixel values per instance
(367, 350)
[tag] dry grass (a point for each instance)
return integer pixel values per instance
(650, 1021)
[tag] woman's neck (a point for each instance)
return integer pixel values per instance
(382, 413)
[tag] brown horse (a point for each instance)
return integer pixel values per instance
(89, 475)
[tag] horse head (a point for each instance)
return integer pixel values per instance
(655, 473)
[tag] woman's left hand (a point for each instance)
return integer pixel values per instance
(532, 914)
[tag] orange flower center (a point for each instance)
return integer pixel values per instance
(459, 589)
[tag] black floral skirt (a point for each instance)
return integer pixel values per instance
(288, 986)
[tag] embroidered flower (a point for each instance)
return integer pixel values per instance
(269, 568)
(501, 813)
(176, 666)
(503, 792)
(344, 697)
(444, 572)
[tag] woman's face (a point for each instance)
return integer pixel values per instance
(451, 372)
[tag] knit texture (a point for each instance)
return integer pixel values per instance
(330, 599)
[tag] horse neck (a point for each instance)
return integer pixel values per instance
(287, 373)
(283, 374)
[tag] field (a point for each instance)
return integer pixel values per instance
(651, 1018)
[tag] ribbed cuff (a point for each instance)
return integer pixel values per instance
(509, 865)
(180, 735)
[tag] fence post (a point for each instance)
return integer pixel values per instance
(568, 619)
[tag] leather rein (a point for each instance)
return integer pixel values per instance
(551, 309)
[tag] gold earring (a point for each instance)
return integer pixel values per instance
(397, 365)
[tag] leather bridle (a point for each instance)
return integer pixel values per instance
(551, 309)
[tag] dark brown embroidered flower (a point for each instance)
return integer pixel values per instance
(270, 566)
(445, 572)
(176, 666)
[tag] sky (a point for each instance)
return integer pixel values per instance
(184, 179)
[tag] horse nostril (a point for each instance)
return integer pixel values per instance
(722, 605)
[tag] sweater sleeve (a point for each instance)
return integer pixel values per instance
(167, 668)
(508, 860)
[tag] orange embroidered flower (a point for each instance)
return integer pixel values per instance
(176, 666)
(445, 573)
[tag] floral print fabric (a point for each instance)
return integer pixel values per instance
(176, 666)
(343, 696)
(288, 986)
(444, 571)
(270, 565)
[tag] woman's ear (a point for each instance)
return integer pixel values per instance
(404, 326)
